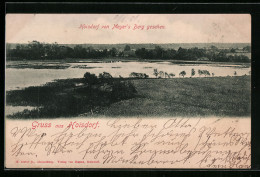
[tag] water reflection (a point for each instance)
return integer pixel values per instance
(21, 78)
(9, 110)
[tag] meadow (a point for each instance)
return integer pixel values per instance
(192, 97)
(133, 97)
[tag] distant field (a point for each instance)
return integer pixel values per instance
(222, 96)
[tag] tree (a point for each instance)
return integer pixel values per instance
(200, 72)
(247, 48)
(161, 74)
(183, 73)
(36, 50)
(171, 75)
(79, 51)
(233, 50)
(105, 78)
(158, 52)
(90, 78)
(105, 75)
(183, 54)
(169, 54)
(166, 75)
(214, 48)
(113, 52)
(127, 48)
(192, 72)
(206, 72)
(139, 75)
(141, 53)
(155, 72)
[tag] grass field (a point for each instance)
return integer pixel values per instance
(192, 97)
(220, 96)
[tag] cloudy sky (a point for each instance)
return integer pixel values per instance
(179, 28)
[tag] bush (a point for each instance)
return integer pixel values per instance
(105, 75)
(171, 74)
(204, 72)
(63, 99)
(90, 78)
(123, 90)
(192, 72)
(138, 75)
(183, 73)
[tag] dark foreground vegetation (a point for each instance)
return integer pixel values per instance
(41, 51)
(71, 97)
(105, 96)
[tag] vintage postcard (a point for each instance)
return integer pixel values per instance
(128, 91)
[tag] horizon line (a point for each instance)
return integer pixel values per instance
(137, 43)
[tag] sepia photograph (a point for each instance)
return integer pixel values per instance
(128, 91)
(127, 65)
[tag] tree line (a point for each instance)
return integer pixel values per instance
(35, 50)
(192, 54)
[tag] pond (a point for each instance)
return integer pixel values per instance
(9, 110)
(18, 78)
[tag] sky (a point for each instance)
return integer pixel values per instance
(178, 28)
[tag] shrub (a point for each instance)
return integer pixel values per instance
(155, 72)
(171, 74)
(67, 100)
(205, 72)
(123, 90)
(90, 78)
(138, 75)
(105, 75)
(161, 74)
(192, 72)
